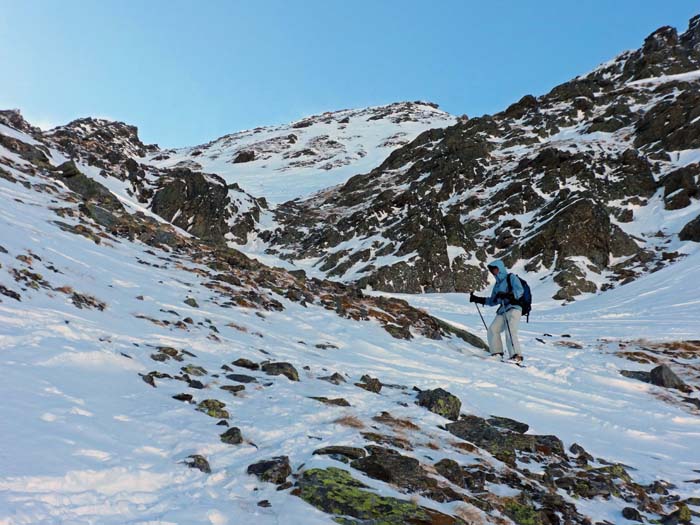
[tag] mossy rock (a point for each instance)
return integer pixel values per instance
(336, 492)
(440, 402)
(522, 514)
(194, 370)
(213, 408)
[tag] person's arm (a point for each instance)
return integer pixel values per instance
(492, 300)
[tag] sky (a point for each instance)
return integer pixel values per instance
(186, 72)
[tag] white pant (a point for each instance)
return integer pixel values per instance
(499, 325)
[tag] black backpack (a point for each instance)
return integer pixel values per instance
(525, 301)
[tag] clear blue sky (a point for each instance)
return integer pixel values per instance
(186, 72)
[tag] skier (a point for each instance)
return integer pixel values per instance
(508, 313)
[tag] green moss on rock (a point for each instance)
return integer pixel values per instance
(336, 492)
(213, 408)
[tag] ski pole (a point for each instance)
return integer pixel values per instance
(482, 317)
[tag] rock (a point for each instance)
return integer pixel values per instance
(504, 444)
(246, 363)
(87, 188)
(691, 231)
(232, 388)
(370, 384)
(241, 378)
(336, 378)
(198, 462)
(264, 503)
(213, 408)
(273, 470)
(639, 375)
(440, 402)
(632, 514)
(336, 492)
(183, 397)
(194, 370)
(391, 467)
(681, 516)
(510, 424)
(193, 383)
(662, 375)
(244, 156)
(190, 301)
(341, 453)
(337, 402)
(285, 369)
(232, 436)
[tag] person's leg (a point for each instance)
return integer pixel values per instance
(494, 335)
(512, 341)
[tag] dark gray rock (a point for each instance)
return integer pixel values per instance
(691, 231)
(246, 363)
(440, 402)
(639, 375)
(370, 384)
(198, 462)
(342, 453)
(662, 375)
(285, 369)
(232, 436)
(273, 470)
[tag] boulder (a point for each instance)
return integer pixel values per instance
(370, 384)
(440, 402)
(691, 231)
(244, 156)
(663, 376)
(213, 408)
(284, 369)
(232, 436)
(273, 470)
(246, 363)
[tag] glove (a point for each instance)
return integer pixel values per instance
(505, 295)
(476, 299)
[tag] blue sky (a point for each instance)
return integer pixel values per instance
(186, 72)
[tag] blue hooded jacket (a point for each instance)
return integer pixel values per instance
(502, 286)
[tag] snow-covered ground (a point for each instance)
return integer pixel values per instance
(86, 441)
(301, 158)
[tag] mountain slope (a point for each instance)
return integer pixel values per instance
(282, 163)
(146, 374)
(587, 186)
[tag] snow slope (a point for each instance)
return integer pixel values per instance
(303, 157)
(86, 441)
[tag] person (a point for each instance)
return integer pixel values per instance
(508, 314)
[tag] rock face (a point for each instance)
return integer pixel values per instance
(552, 181)
(201, 204)
(441, 402)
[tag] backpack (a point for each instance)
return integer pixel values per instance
(525, 301)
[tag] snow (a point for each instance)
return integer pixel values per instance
(324, 154)
(89, 442)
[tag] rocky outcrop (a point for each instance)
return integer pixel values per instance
(515, 186)
(336, 492)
